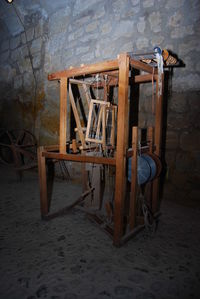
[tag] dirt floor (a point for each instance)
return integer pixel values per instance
(70, 258)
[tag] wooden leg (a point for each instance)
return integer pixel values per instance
(122, 145)
(133, 195)
(63, 115)
(42, 182)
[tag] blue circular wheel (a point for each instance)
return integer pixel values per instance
(143, 170)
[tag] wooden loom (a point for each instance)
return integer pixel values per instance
(124, 219)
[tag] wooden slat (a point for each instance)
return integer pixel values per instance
(144, 78)
(42, 181)
(80, 158)
(63, 115)
(133, 195)
(142, 66)
(122, 144)
(137, 79)
(77, 118)
(86, 69)
(80, 82)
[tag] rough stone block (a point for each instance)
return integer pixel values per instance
(190, 46)
(92, 26)
(78, 22)
(58, 22)
(179, 179)
(81, 50)
(180, 32)
(24, 51)
(15, 42)
(190, 141)
(188, 82)
(24, 65)
(18, 82)
(196, 158)
(142, 43)
(88, 57)
(119, 6)
(127, 47)
(4, 56)
(36, 61)
(75, 34)
(135, 2)
(132, 12)
(13, 24)
(106, 27)
(86, 38)
(81, 6)
(178, 103)
(184, 162)
(123, 29)
(141, 25)
(38, 30)
(15, 54)
(10, 73)
(148, 3)
(158, 40)
(36, 45)
(175, 19)
(23, 38)
(28, 81)
(172, 140)
(173, 4)
(56, 43)
(178, 121)
(198, 66)
(155, 21)
(4, 45)
(30, 34)
(99, 13)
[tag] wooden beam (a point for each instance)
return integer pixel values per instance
(122, 145)
(51, 147)
(80, 158)
(142, 66)
(144, 78)
(133, 195)
(44, 206)
(86, 69)
(63, 115)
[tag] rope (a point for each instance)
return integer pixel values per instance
(153, 99)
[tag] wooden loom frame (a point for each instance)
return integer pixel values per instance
(122, 64)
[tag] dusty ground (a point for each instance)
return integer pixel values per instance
(70, 258)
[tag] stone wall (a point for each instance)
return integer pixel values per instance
(39, 37)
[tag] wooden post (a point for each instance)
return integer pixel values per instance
(122, 145)
(63, 115)
(42, 182)
(158, 136)
(133, 195)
